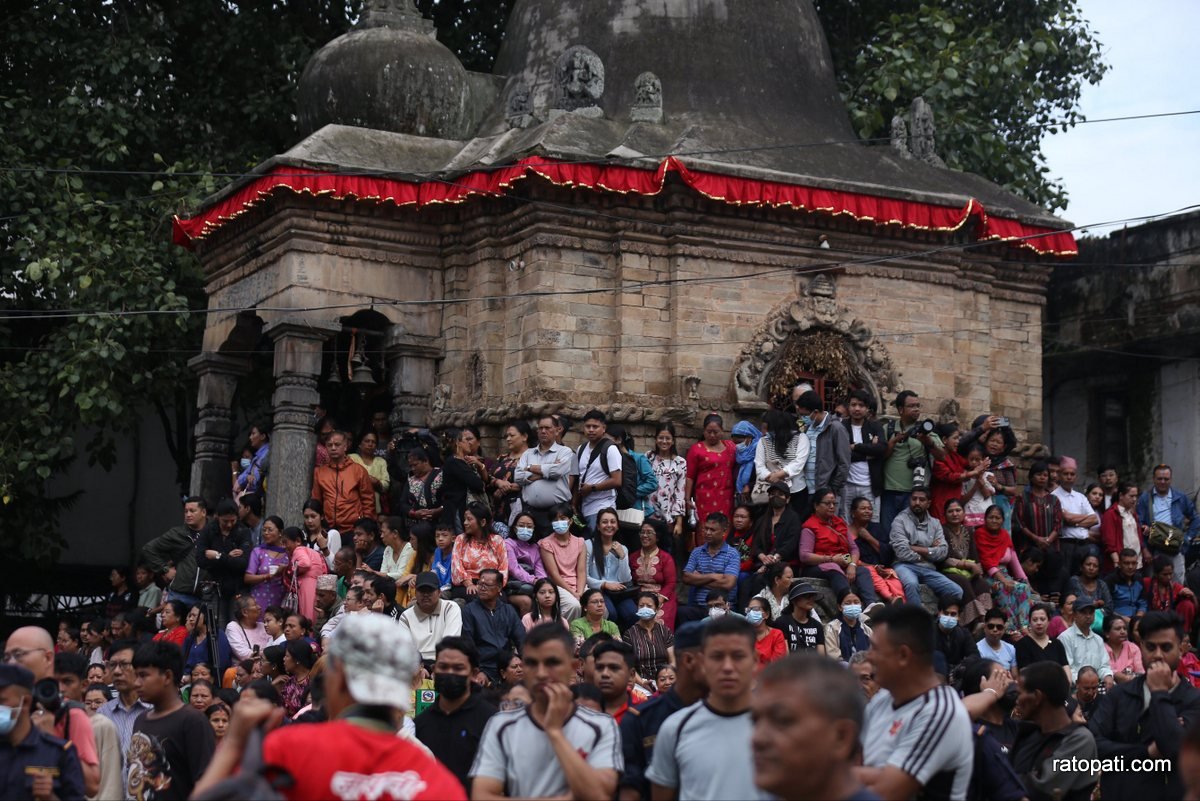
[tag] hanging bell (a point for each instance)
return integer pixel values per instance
(335, 375)
(361, 376)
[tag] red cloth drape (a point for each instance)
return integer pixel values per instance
(614, 178)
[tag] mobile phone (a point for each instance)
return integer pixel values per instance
(1003, 422)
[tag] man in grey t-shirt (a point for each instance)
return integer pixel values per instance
(917, 737)
(551, 748)
(703, 750)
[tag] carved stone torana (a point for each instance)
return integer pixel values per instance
(518, 108)
(873, 368)
(924, 146)
(900, 137)
(579, 79)
(647, 98)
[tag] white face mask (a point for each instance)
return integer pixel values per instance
(524, 533)
(716, 611)
(645, 612)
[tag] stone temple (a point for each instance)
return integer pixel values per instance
(656, 207)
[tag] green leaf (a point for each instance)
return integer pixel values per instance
(890, 93)
(948, 27)
(85, 281)
(950, 73)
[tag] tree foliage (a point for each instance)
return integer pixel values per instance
(999, 76)
(116, 114)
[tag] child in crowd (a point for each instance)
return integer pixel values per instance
(443, 536)
(977, 492)
(800, 630)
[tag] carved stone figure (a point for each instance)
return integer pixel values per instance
(518, 110)
(923, 139)
(579, 76)
(441, 398)
(691, 387)
(900, 137)
(647, 98)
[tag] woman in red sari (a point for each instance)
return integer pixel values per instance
(710, 468)
(654, 571)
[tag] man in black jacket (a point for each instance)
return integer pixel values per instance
(1145, 719)
(223, 551)
(868, 447)
(178, 547)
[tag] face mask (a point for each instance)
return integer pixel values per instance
(947, 622)
(561, 526)
(852, 611)
(8, 718)
(524, 533)
(450, 685)
(777, 502)
(755, 616)
(646, 613)
(245, 463)
(715, 611)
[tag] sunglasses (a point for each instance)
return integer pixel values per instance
(995, 627)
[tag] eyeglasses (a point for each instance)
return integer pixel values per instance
(995, 627)
(115, 664)
(18, 654)
(865, 677)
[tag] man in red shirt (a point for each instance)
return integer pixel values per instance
(368, 681)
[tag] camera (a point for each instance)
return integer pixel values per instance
(422, 438)
(923, 428)
(210, 591)
(46, 695)
(1003, 422)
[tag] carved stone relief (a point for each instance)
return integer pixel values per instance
(647, 99)
(579, 80)
(518, 109)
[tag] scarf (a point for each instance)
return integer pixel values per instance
(991, 547)
(745, 452)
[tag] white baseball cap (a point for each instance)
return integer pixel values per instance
(379, 659)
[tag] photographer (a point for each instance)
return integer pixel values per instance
(910, 443)
(31, 648)
(223, 552)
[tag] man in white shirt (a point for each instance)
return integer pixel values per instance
(1084, 647)
(1078, 519)
(599, 469)
(544, 475)
(431, 618)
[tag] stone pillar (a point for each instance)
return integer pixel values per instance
(211, 475)
(299, 346)
(412, 371)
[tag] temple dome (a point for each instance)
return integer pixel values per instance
(389, 74)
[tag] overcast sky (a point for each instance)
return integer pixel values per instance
(1115, 170)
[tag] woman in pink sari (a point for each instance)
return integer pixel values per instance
(301, 575)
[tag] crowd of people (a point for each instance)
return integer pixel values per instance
(820, 604)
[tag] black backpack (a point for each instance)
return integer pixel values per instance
(627, 492)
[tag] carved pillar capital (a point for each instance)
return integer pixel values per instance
(214, 422)
(412, 369)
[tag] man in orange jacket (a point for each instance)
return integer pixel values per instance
(343, 487)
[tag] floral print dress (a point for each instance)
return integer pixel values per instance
(668, 500)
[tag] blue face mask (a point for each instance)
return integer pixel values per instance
(561, 526)
(245, 463)
(524, 533)
(947, 622)
(646, 612)
(755, 616)
(852, 611)
(8, 718)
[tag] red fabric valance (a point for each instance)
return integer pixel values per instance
(612, 178)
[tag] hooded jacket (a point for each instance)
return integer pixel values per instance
(345, 492)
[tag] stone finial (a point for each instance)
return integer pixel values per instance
(923, 133)
(393, 14)
(579, 80)
(647, 99)
(518, 108)
(900, 137)
(822, 285)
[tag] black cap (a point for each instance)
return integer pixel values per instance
(1084, 601)
(802, 588)
(689, 635)
(782, 486)
(15, 674)
(428, 581)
